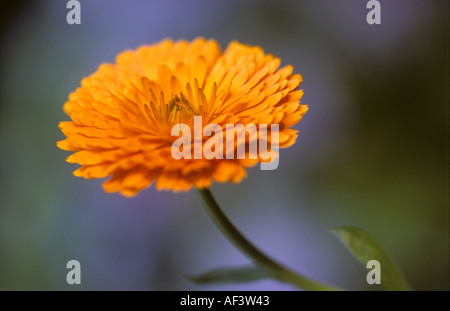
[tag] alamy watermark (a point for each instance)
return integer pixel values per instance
(74, 15)
(374, 15)
(74, 275)
(241, 142)
(374, 275)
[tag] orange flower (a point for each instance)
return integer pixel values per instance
(122, 114)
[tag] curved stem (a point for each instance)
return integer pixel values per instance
(277, 270)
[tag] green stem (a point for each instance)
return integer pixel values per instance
(277, 270)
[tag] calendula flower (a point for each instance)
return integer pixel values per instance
(123, 114)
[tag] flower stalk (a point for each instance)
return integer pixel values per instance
(260, 259)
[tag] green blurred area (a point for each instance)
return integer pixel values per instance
(393, 176)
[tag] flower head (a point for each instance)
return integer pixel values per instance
(123, 114)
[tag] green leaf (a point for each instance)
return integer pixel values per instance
(365, 248)
(231, 275)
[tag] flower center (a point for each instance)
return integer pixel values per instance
(179, 108)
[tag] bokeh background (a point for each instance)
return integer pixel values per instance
(371, 151)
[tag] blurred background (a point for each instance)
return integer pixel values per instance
(371, 151)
